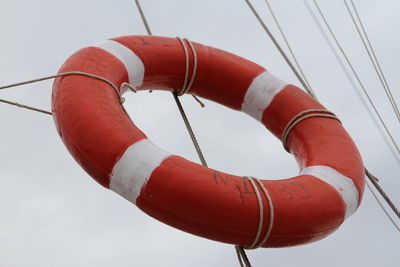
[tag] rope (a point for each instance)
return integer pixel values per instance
(186, 86)
(382, 207)
(146, 25)
(313, 95)
(184, 90)
(374, 181)
(372, 56)
(357, 78)
(199, 101)
(127, 85)
(299, 118)
(190, 130)
(372, 178)
(296, 73)
(121, 99)
(256, 242)
(354, 86)
(242, 257)
(289, 46)
(373, 53)
(26, 107)
(177, 101)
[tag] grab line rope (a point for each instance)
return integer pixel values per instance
(256, 242)
(117, 91)
(300, 117)
(121, 99)
(186, 86)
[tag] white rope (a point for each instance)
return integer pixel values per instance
(253, 245)
(194, 66)
(187, 85)
(300, 117)
(186, 66)
(118, 91)
(127, 85)
(271, 212)
(256, 242)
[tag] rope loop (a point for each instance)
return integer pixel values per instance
(116, 89)
(321, 113)
(257, 242)
(187, 85)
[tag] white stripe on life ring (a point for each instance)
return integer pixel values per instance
(133, 64)
(260, 94)
(135, 167)
(343, 184)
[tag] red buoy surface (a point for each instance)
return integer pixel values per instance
(196, 199)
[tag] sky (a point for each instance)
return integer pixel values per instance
(53, 214)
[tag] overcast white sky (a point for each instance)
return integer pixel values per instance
(53, 214)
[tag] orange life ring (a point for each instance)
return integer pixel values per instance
(188, 196)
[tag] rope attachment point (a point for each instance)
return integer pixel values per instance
(116, 89)
(187, 85)
(313, 113)
(257, 242)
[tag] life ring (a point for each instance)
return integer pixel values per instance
(196, 199)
